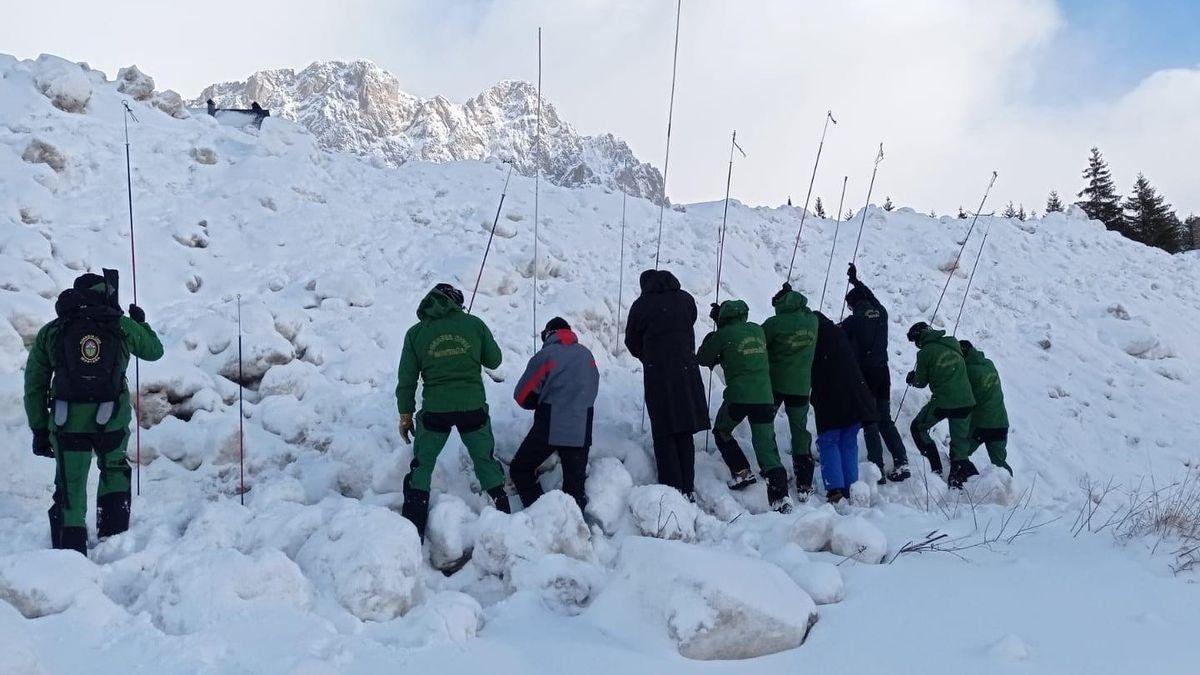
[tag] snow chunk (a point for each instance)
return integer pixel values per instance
(357, 288)
(45, 582)
(813, 530)
(206, 156)
(288, 379)
(171, 103)
(711, 604)
(608, 487)
(663, 512)
(553, 524)
(822, 581)
(369, 557)
(64, 83)
(449, 535)
(135, 83)
(41, 152)
(18, 655)
(565, 585)
(856, 538)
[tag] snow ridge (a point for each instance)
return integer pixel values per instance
(361, 108)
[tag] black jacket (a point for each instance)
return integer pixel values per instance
(840, 397)
(660, 333)
(867, 329)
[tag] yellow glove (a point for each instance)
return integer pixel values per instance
(406, 427)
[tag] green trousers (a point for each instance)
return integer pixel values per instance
(996, 442)
(73, 453)
(474, 428)
(762, 435)
(960, 432)
(796, 409)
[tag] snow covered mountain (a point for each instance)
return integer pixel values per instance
(1094, 337)
(359, 107)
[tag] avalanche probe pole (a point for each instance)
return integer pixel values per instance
(620, 276)
(662, 204)
(837, 224)
(137, 370)
(813, 179)
(861, 223)
(241, 415)
(721, 257)
(971, 276)
(950, 275)
(492, 235)
(537, 179)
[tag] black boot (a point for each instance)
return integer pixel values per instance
(73, 538)
(883, 476)
(112, 514)
(804, 468)
(960, 471)
(777, 490)
(899, 474)
(500, 499)
(416, 507)
(742, 480)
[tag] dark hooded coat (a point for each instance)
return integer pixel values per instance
(661, 334)
(840, 397)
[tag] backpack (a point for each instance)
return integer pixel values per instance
(89, 349)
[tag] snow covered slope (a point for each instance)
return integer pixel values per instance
(359, 107)
(330, 253)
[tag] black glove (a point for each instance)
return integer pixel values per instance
(41, 444)
(783, 290)
(852, 273)
(137, 314)
(715, 312)
(911, 377)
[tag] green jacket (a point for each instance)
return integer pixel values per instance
(791, 343)
(740, 347)
(445, 349)
(940, 367)
(139, 340)
(989, 410)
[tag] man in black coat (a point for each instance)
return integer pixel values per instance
(842, 403)
(660, 333)
(867, 328)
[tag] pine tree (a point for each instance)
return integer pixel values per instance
(820, 208)
(1021, 213)
(849, 214)
(1053, 203)
(887, 204)
(1009, 212)
(1149, 219)
(962, 214)
(1101, 201)
(1192, 229)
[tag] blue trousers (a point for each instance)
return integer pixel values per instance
(839, 457)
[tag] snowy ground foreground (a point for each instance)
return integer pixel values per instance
(1094, 336)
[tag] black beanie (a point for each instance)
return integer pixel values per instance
(556, 324)
(450, 292)
(914, 331)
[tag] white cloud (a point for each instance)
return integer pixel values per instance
(944, 83)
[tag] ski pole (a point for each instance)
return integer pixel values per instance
(862, 223)
(491, 235)
(837, 224)
(241, 413)
(137, 363)
(813, 179)
(537, 179)
(662, 204)
(721, 256)
(949, 276)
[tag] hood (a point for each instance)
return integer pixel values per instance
(790, 302)
(658, 281)
(732, 311)
(436, 305)
(563, 336)
(974, 357)
(857, 300)
(932, 335)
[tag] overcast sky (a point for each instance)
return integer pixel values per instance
(953, 88)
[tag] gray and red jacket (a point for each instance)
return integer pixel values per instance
(561, 383)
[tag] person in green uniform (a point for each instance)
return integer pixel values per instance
(791, 343)
(739, 346)
(940, 366)
(77, 404)
(446, 350)
(989, 420)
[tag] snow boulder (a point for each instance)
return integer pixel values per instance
(66, 84)
(565, 585)
(18, 654)
(812, 530)
(553, 524)
(854, 537)
(134, 83)
(41, 152)
(171, 103)
(357, 288)
(44, 582)
(608, 486)
(708, 604)
(368, 558)
(822, 581)
(450, 537)
(663, 512)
